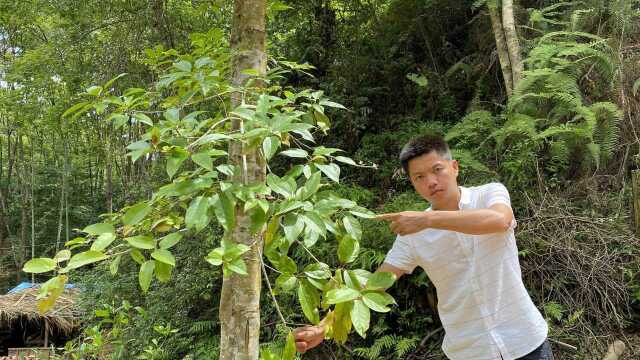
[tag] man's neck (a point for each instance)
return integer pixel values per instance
(450, 204)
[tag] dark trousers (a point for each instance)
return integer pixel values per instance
(543, 352)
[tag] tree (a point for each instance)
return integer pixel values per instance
(240, 301)
(190, 116)
(507, 44)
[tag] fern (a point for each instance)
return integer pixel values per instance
(202, 327)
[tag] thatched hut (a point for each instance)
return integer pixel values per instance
(21, 325)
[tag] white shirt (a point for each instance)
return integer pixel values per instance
(484, 307)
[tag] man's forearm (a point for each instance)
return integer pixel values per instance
(473, 221)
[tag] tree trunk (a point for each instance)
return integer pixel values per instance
(240, 298)
(511, 36)
(501, 45)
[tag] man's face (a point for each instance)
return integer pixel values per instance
(434, 177)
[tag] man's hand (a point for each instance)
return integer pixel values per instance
(308, 337)
(406, 222)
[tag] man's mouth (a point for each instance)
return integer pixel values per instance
(435, 192)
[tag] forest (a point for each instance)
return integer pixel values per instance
(195, 179)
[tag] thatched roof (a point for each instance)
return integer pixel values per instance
(64, 315)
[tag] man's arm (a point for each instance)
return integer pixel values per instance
(494, 219)
(308, 337)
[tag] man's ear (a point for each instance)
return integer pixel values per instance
(455, 166)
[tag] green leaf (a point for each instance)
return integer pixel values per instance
(225, 211)
(314, 223)
(279, 185)
(136, 213)
(352, 226)
(170, 240)
(85, 258)
(348, 249)
(286, 281)
(332, 104)
(636, 86)
(215, 256)
(295, 153)
(62, 255)
(293, 226)
(164, 256)
(309, 301)
(203, 159)
(226, 169)
(183, 65)
(100, 228)
(270, 146)
(94, 90)
(289, 352)
(103, 241)
(115, 264)
(237, 266)
(337, 296)
(39, 265)
(74, 108)
(380, 281)
(146, 274)
(346, 160)
(318, 271)
(143, 118)
(332, 171)
(377, 301)
(174, 161)
(311, 186)
(360, 316)
(163, 271)
(197, 214)
(137, 256)
(141, 242)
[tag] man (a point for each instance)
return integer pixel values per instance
(465, 242)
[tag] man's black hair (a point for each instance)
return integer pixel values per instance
(423, 145)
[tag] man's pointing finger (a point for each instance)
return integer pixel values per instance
(389, 216)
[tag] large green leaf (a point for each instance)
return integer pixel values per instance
(332, 171)
(360, 316)
(380, 281)
(175, 159)
(100, 228)
(39, 265)
(85, 258)
(141, 242)
(309, 301)
(103, 241)
(377, 301)
(295, 153)
(163, 271)
(225, 211)
(289, 352)
(197, 214)
(352, 226)
(270, 146)
(170, 240)
(348, 249)
(203, 160)
(146, 274)
(136, 213)
(341, 295)
(293, 226)
(164, 256)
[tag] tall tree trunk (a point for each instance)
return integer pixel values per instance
(24, 201)
(240, 298)
(511, 36)
(501, 45)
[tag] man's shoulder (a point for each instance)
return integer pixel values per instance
(487, 187)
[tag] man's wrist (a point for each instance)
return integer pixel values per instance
(427, 219)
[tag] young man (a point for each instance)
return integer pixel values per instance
(465, 243)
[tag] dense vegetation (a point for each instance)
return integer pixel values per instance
(562, 138)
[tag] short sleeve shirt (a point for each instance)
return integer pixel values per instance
(484, 307)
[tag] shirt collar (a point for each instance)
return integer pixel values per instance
(465, 197)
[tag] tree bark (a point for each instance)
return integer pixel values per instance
(513, 45)
(240, 298)
(501, 45)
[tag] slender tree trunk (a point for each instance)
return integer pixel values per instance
(33, 218)
(240, 298)
(24, 200)
(513, 45)
(501, 45)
